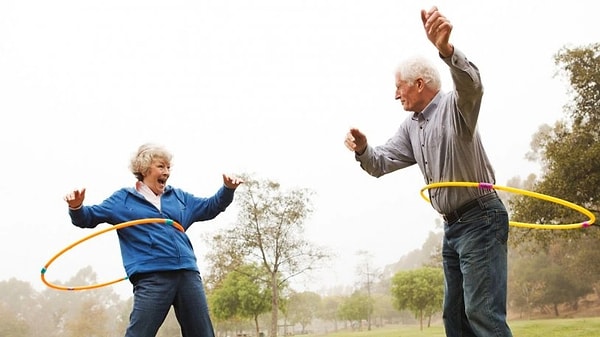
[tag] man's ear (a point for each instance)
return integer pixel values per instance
(420, 83)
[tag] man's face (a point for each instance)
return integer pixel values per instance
(409, 94)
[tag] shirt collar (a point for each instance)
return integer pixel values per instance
(144, 190)
(429, 109)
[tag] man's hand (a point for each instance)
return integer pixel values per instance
(438, 29)
(356, 141)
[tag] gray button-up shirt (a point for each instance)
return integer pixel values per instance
(443, 140)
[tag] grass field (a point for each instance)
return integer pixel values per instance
(575, 327)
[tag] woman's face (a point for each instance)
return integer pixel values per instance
(157, 175)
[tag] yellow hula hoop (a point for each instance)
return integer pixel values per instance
(115, 227)
(488, 186)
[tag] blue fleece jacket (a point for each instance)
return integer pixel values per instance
(154, 247)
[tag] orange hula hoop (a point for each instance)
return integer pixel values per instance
(115, 227)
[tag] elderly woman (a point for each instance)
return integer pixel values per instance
(159, 260)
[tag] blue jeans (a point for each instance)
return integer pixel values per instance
(475, 261)
(153, 295)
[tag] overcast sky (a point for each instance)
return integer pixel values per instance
(267, 87)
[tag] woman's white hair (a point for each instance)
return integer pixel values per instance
(416, 67)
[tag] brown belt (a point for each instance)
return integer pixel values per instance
(456, 214)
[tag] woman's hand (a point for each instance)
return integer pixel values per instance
(75, 198)
(232, 182)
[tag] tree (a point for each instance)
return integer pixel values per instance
(70, 312)
(89, 320)
(11, 324)
(569, 151)
(433, 246)
(421, 291)
(356, 308)
(430, 254)
(268, 233)
(242, 294)
(120, 316)
(544, 280)
(303, 307)
(524, 287)
(19, 304)
(367, 274)
(383, 309)
(329, 311)
(559, 287)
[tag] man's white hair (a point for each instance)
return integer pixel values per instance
(416, 67)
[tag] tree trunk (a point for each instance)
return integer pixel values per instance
(256, 324)
(275, 305)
